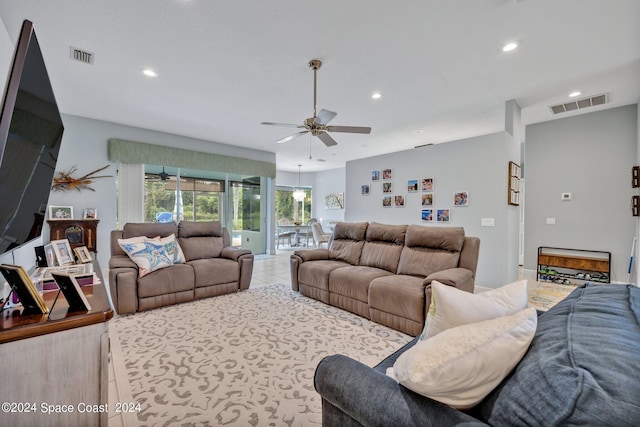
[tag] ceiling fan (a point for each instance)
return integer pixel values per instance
(162, 176)
(317, 125)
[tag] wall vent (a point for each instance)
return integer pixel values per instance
(81, 55)
(579, 104)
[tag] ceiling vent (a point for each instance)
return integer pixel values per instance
(81, 55)
(579, 104)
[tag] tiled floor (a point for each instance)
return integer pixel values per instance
(267, 270)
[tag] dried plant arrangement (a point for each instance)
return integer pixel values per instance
(64, 181)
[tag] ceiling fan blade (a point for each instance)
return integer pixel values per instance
(281, 124)
(290, 137)
(349, 129)
(325, 116)
(326, 138)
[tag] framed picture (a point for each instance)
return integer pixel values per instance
(83, 254)
(443, 215)
(427, 215)
(426, 184)
(412, 185)
(375, 175)
(387, 174)
(366, 190)
(62, 250)
(90, 213)
(50, 255)
(387, 202)
(399, 201)
(60, 212)
(334, 201)
(461, 199)
(427, 199)
(387, 187)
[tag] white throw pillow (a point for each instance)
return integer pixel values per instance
(451, 307)
(149, 255)
(460, 366)
(172, 247)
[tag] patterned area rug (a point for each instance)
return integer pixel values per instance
(546, 295)
(244, 359)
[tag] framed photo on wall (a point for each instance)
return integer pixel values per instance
(387, 201)
(427, 215)
(427, 199)
(461, 199)
(366, 190)
(387, 174)
(426, 184)
(443, 215)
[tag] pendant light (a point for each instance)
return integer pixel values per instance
(299, 194)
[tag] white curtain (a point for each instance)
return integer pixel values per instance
(130, 193)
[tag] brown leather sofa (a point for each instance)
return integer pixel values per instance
(383, 272)
(212, 267)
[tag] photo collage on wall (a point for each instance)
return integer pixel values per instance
(424, 187)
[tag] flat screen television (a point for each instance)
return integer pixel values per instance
(30, 135)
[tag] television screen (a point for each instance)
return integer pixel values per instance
(30, 136)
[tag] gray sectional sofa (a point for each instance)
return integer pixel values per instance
(212, 267)
(383, 272)
(582, 369)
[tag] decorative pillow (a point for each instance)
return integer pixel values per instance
(172, 247)
(462, 365)
(149, 255)
(451, 307)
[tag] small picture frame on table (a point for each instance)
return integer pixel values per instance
(90, 213)
(60, 212)
(50, 255)
(83, 254)
(62, 249)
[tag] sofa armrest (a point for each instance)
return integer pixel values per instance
(246, 270)
(312, 254)
(346, 387)
(123, 284)
(461, 278)
(234, 253)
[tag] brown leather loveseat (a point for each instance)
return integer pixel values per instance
(212, 267)
(383, 272)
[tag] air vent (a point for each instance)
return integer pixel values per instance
(579, 104)
(81, 55)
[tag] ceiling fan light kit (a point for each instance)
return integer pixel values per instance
(317, 125)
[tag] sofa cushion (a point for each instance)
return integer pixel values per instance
(347, 242)
(215, 271)
(316, 273)
(353, 281)
(583, 366)
(149, 255)
(451, 307)
(174, 251)
(201, 247)
(178, 278)
(199, 229)
(430, 249)
(383, 246)
(398, 295)
(148, 229)
(461, 365)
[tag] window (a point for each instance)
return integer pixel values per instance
(288, 210)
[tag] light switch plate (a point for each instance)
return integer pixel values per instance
(488, 222)
(551, 221)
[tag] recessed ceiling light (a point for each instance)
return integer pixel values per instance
(418, 131)
(509, 46)
(149, 72)
(376, 95)
(575, 93)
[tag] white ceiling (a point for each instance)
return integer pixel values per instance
(226, 66)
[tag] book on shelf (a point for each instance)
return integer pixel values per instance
(24, 288)
(71, 290)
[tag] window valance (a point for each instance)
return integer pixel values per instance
(139, 152)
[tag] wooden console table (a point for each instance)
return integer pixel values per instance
(79, 232)
(57, 359)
